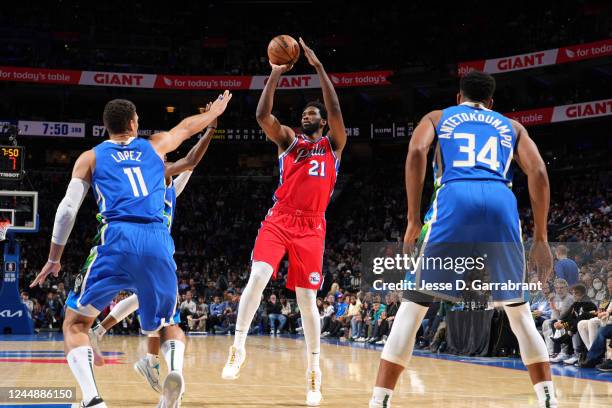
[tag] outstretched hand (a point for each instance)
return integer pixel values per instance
(49, 268)
(282, 68)
(310, 55)
(219, 105)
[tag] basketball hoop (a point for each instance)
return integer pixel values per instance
(4, 226)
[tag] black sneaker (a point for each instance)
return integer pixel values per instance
(96, 402)
(606, 366)
(588, 364)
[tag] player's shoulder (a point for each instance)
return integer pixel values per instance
(433, 116)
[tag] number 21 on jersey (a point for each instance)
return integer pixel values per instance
(316, 169)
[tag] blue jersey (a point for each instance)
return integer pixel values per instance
(474, 143)
(169, 204)
(128, 182)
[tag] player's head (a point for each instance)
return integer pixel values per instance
(314, 118)
(476, 86)
(120, 117)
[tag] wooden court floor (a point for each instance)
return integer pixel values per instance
(274, 376)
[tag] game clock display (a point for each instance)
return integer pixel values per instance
(11, 162)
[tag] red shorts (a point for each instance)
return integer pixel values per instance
(299, 233)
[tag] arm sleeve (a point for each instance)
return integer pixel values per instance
(181, 181)
(68, 209)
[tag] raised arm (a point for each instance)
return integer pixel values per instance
(193, 157)
(280, 134)
(166, 142)
(66, 214)
(529, 160)
(330, 98)
(416, 167)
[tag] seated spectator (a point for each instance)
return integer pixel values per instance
(598, 348)
(275, 317)
(381, 330)
(197, 321)
(291, 313)
(560, 302)
(579, 310)
(228, 322)
(393, 304)
(538, 301)
(588, 328)
(187, 308)
(216, 310)
(25, 299)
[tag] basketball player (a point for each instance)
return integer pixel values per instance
(135, 250)
(296, 222)
(473, 203)
(148, 366)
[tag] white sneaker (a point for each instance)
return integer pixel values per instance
(234, 363)
(361, 340)
(379, 404)
(93, 339)
(148, 372)
(313, 393)
(560, 357)
(172, 391)
(571, 361)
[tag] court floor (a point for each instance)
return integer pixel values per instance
(274, 376)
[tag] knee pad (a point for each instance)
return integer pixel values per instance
(532, 346)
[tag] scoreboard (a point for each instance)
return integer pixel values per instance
(11, 162)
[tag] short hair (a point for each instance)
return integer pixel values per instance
(562, 249)
(318, 105)
(579, 288)
(477, 86)
(117, 115)
(561, 281)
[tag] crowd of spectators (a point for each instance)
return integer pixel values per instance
(219, 38)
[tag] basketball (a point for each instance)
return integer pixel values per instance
(283, 49)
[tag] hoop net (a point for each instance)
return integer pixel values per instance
(4, 226)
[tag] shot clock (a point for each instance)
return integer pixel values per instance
(11, 162)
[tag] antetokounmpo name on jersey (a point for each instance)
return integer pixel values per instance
(449, 125)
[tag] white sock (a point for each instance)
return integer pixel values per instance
(173, 351)
(311, 323)
(545, 391)
(382, 396)
(240, 338)
(80, 360)
(261, 273)
(153, 359)
(99, 331)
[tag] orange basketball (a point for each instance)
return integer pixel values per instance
(283, 49)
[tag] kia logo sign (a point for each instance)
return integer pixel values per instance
(9, 313)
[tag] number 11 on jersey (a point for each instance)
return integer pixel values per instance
(133, 174)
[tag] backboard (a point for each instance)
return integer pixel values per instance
(21, 209)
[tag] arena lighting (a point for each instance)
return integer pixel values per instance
(170, 109)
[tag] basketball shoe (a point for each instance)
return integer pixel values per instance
(234, 363)
(149, 372)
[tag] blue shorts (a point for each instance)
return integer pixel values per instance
(134, 257)
(472, 221)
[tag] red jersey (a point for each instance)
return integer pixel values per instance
(307, 172)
